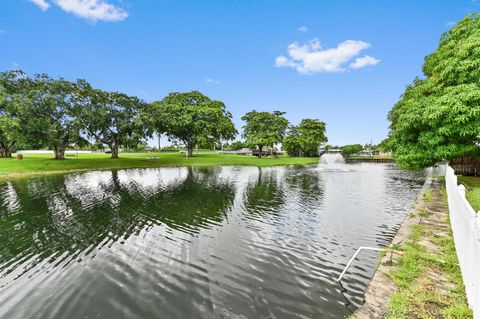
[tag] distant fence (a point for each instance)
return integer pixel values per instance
(466, 232)
(466, 165)
(369, 160)
(51, 152)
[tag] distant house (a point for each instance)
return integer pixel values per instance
(365, 153)
(243, 151)
(371, 153)
(334, 150)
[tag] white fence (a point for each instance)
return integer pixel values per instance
(466, 232)
(51, 152)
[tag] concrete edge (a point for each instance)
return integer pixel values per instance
(381, 287)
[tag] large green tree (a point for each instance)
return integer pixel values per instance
(40, 111)
(51, 118)
(438, 116)
(114, 119)
(264, 128)
(193, 118)
(306, 138)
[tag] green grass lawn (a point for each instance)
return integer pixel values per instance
(472, 185)
(38, 164)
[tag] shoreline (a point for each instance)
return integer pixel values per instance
(418, 274)
(381, 288)
(39, 173)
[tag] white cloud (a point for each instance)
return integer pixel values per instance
(364, 61)
(303, 28)
(41, 3)
(211, 81)
(92, 10)
(311, 58)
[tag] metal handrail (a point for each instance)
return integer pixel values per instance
(353, 258)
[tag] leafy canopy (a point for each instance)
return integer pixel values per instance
(40, 111)
(115, 119)
(306, 138)
(52, 118)
(12, 92)
(193, 118)
(351, 149)
(264, 128)
(438, 117)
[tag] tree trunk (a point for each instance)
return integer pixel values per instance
(260, 148)
(114, 149)
(6, 150)
(190, 149)
(59, 152)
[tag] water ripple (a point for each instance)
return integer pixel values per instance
(223, 242)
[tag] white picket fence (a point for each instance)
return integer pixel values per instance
(466, 232)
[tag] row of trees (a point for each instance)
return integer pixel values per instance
(438, 116)
(351, 149)
(42, 112)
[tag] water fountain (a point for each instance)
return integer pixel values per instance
(332, 160)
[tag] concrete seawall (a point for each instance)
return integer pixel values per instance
(381, 287)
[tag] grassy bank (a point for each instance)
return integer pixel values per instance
(40, 164)
(472, 185)
(427, 275)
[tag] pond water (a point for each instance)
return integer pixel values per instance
(222, 242)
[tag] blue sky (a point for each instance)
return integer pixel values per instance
(343, 62)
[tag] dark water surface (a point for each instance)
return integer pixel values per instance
(224, 242)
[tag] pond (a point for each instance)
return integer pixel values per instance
(218, 242)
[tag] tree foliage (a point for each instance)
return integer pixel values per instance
(236, 145)
(12, 92)
(292, 143)
(42, 112)
(264, 128)
(9, 129)
(115, 119)
(38, 112)
(438, 116)
(306, 138)
(51, 117)
(348, 150)
(193, 118)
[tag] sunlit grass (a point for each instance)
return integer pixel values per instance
(417, 296)
(472, 184)
(428, 195)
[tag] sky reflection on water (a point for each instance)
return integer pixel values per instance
(185, 242)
